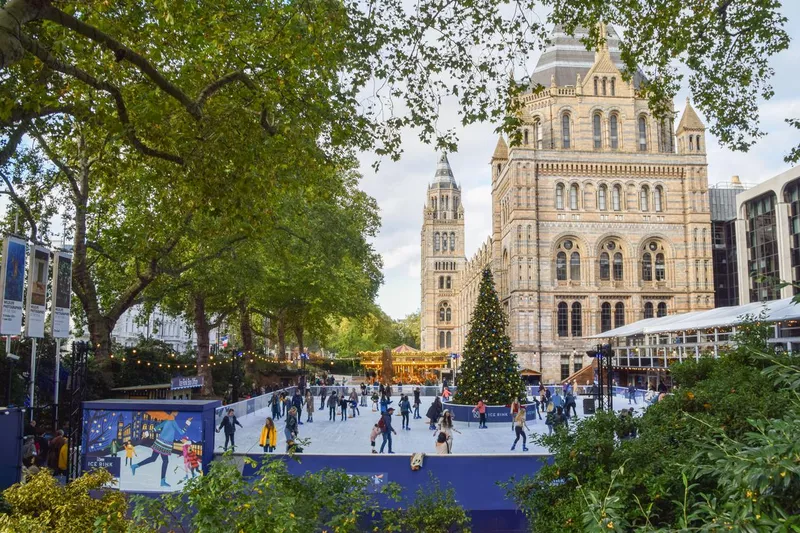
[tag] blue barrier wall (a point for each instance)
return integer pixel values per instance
(11, 429)
(494, 413)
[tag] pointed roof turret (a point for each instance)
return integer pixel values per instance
(501, 150)
(689, 119)
(444, 174)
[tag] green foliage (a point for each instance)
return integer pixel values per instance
(433, 510)
(372, 332)
(43, 504)
(489, 369)
(726, 443)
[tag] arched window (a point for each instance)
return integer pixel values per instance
(661, 274)
(691, 143)
(648, 310)
(561, 266)
(577, 320)
(565, 130)
(642, 134)
(619, 315)
(449, 339)
(605, 317)
(448, 315)
(602, 198)
(697, 143)
(596, 129)
(618, 267)
(573, 197)
(525, 137)
(563, 320)
(560, 196)
(604, 87)
(613, 88)
(605, 270)
(441, 339)
(444, 242)
(445, 313)
(616, 193)
(447, 283)
(436, 241)
(537, 134)
(441, 282)
(614, 127)
(452, 241)
(575, 266)
(647, 267)
(595, 86)
(664, 136)
(644, 199)
(658, 195)
(662, 309)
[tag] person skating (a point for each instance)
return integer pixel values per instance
(333, 401)
(229, 424)
(631, 394)
(269, 436)
(309, 407)
(514, 410)
(434, 411)
(417, 403)
(405, 409)
(481, 410)
(373, 435)
(446, 427)
(167, 432)
(385, 401)
(290, 429)
(375, 399)
(570, 402)
(387, 429)
(363, 395)
(130, 453)
(323, 392)
(519, 424)
(343, 402)
(442, 445)
(297, 403)
(274, 401)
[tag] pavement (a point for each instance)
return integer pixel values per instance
(352, 436)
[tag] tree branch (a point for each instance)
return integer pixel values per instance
(122, 112)
(10, 148)
(63, 167)
(26, 212)
(20, 114)
(217, 85)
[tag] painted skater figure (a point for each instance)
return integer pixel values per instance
(166, 433)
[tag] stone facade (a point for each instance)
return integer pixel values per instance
(600, 218)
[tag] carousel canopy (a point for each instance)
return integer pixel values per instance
(404, 348)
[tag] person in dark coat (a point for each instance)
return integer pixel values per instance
(323, 393)
(297, 403)
(417, 402)
(229, 424)
(333, 401)
(343, 403)
(434, 412)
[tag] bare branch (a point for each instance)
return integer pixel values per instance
(26, 212)
(19, 114)
(63, 167)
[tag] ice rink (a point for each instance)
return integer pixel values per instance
(352, 436)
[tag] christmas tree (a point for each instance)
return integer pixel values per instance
(489, 371)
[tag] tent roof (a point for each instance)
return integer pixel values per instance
(530, 372)
(774, 311)
(404, 348)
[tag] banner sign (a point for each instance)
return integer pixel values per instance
(37, 292)
(191, 382)
(62, 294)
(13, 285)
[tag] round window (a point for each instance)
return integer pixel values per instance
(568, 245)
(653, 246)
(611, 245)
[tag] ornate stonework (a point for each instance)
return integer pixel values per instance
(600, 217)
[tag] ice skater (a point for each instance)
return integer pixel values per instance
(166, 432)
(519, 424)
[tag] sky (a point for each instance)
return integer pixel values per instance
(400, 187)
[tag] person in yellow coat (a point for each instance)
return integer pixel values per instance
(269, 436)
(130, 452)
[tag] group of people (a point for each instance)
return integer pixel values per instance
(40, 450)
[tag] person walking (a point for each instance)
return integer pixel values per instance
(290, 429)
(373, 436)
(229, 424)
(309, 407)
(631, 394)
(343, 406)
(297, 403)
(387, 429)
(54, 449)
(514, 411)
(323, 392)
(269, 436)
(405, 410)
(519, 424)
(481, 410)
(417, 403)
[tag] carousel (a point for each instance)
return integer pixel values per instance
(405, 364)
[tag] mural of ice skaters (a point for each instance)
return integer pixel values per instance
(166, 432)
(191, 461)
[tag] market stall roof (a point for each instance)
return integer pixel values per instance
(774, 311)
(529, 372)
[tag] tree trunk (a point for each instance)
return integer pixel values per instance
(245, 326)
(202, 330)
(100, 335)
(13, 16)
(281, 336)
(298, 332)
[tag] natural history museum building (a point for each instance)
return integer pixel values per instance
(600, 217)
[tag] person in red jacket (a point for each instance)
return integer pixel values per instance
(481, 409)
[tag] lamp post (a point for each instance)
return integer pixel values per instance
(455, 357)
(603, 354)
(303, 357)
(11, 360)
(235, 377)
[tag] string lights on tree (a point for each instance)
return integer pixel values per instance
(489, 370)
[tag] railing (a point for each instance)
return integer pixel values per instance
(250, 406)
